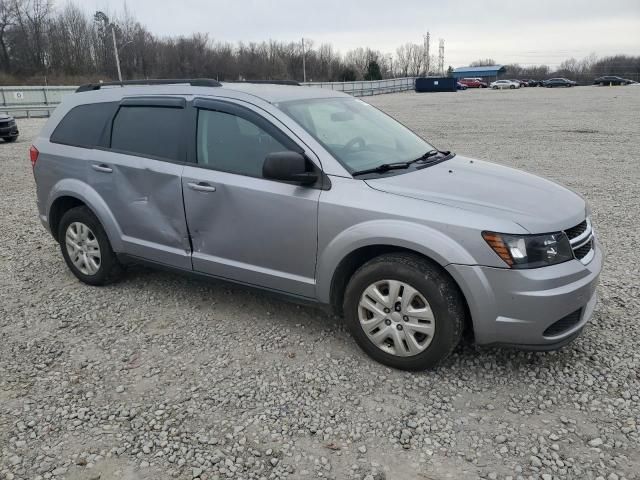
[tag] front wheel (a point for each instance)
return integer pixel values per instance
(404, 311)
(10, 139)
(512, 87)
(86, 248)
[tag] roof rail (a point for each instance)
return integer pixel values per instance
(271, 82)
(194, 82)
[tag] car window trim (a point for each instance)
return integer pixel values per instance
(231, 108)
(250, 116)
(177, 103)
(154, 101)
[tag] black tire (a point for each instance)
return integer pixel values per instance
(512, 87)
(110, 269)
(432, 282)
(10, 139)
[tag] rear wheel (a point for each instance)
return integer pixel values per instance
(404, 311)
(512, 87)
(86, 248)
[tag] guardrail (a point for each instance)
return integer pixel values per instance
(29, 111)
(367, 88)
(23, 101)
(41, 101)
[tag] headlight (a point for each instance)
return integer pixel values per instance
(12, 123)
(530, 251)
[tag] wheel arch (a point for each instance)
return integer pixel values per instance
(360, 243)
(71, 193)
(360, 256)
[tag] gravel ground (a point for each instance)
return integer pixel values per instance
(162, 376)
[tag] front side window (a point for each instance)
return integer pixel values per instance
(233, 144)
(358, 135)
(149, 132)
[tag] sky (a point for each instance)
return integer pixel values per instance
(529, 32)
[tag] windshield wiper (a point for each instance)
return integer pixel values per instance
(385, 167)
(382, 168)
(429, 154)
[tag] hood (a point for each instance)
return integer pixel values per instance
(536, 204)
(5, 117)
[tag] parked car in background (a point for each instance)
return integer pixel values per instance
(500, 84)
(558, 82)
(461, 86)
(534, 83)
(473, 82)
(409, 243)
(523, 83)
(8, 128)
(611, 80)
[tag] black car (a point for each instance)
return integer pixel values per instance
(534, 83)
(611, 80)
(558, 82)
(8, 128)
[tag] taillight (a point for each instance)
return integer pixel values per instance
(33, 154)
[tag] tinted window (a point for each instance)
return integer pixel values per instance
(84, 125)
(232, 144)
(149, 131)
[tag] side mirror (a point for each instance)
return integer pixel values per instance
(289, 167)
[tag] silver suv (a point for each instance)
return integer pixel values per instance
(322, 197)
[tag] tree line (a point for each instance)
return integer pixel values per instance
(40, 43)
(70, 45)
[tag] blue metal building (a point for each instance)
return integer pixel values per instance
(489, 72)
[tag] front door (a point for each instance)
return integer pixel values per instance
(244, 227)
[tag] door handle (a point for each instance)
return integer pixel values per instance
(201, 187)
(102, 168)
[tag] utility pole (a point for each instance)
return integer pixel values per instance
(427, 59)
(441, 58)
(115, 49)
(304, 64)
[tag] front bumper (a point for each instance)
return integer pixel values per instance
(6, 132)
(518, 307)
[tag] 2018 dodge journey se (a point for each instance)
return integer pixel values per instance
(320, 196)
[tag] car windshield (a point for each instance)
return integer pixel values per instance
(358, 135)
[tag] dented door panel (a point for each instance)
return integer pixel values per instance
(145, 196)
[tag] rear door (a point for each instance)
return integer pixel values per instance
(138, 174)
(245, 227)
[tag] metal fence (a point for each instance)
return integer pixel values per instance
(366, 88)
(41, 101)
(31, 101)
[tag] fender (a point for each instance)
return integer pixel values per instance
(71, 187)
(399, 233)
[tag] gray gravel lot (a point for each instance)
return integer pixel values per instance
(161, 376)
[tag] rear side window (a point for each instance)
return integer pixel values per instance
(149, 132)
(84, 125)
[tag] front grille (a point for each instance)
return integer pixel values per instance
(584, 250)
(564, 324)
(4, 124)
(576, 231)
(581, 240)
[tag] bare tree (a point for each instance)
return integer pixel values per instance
(483, 62)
